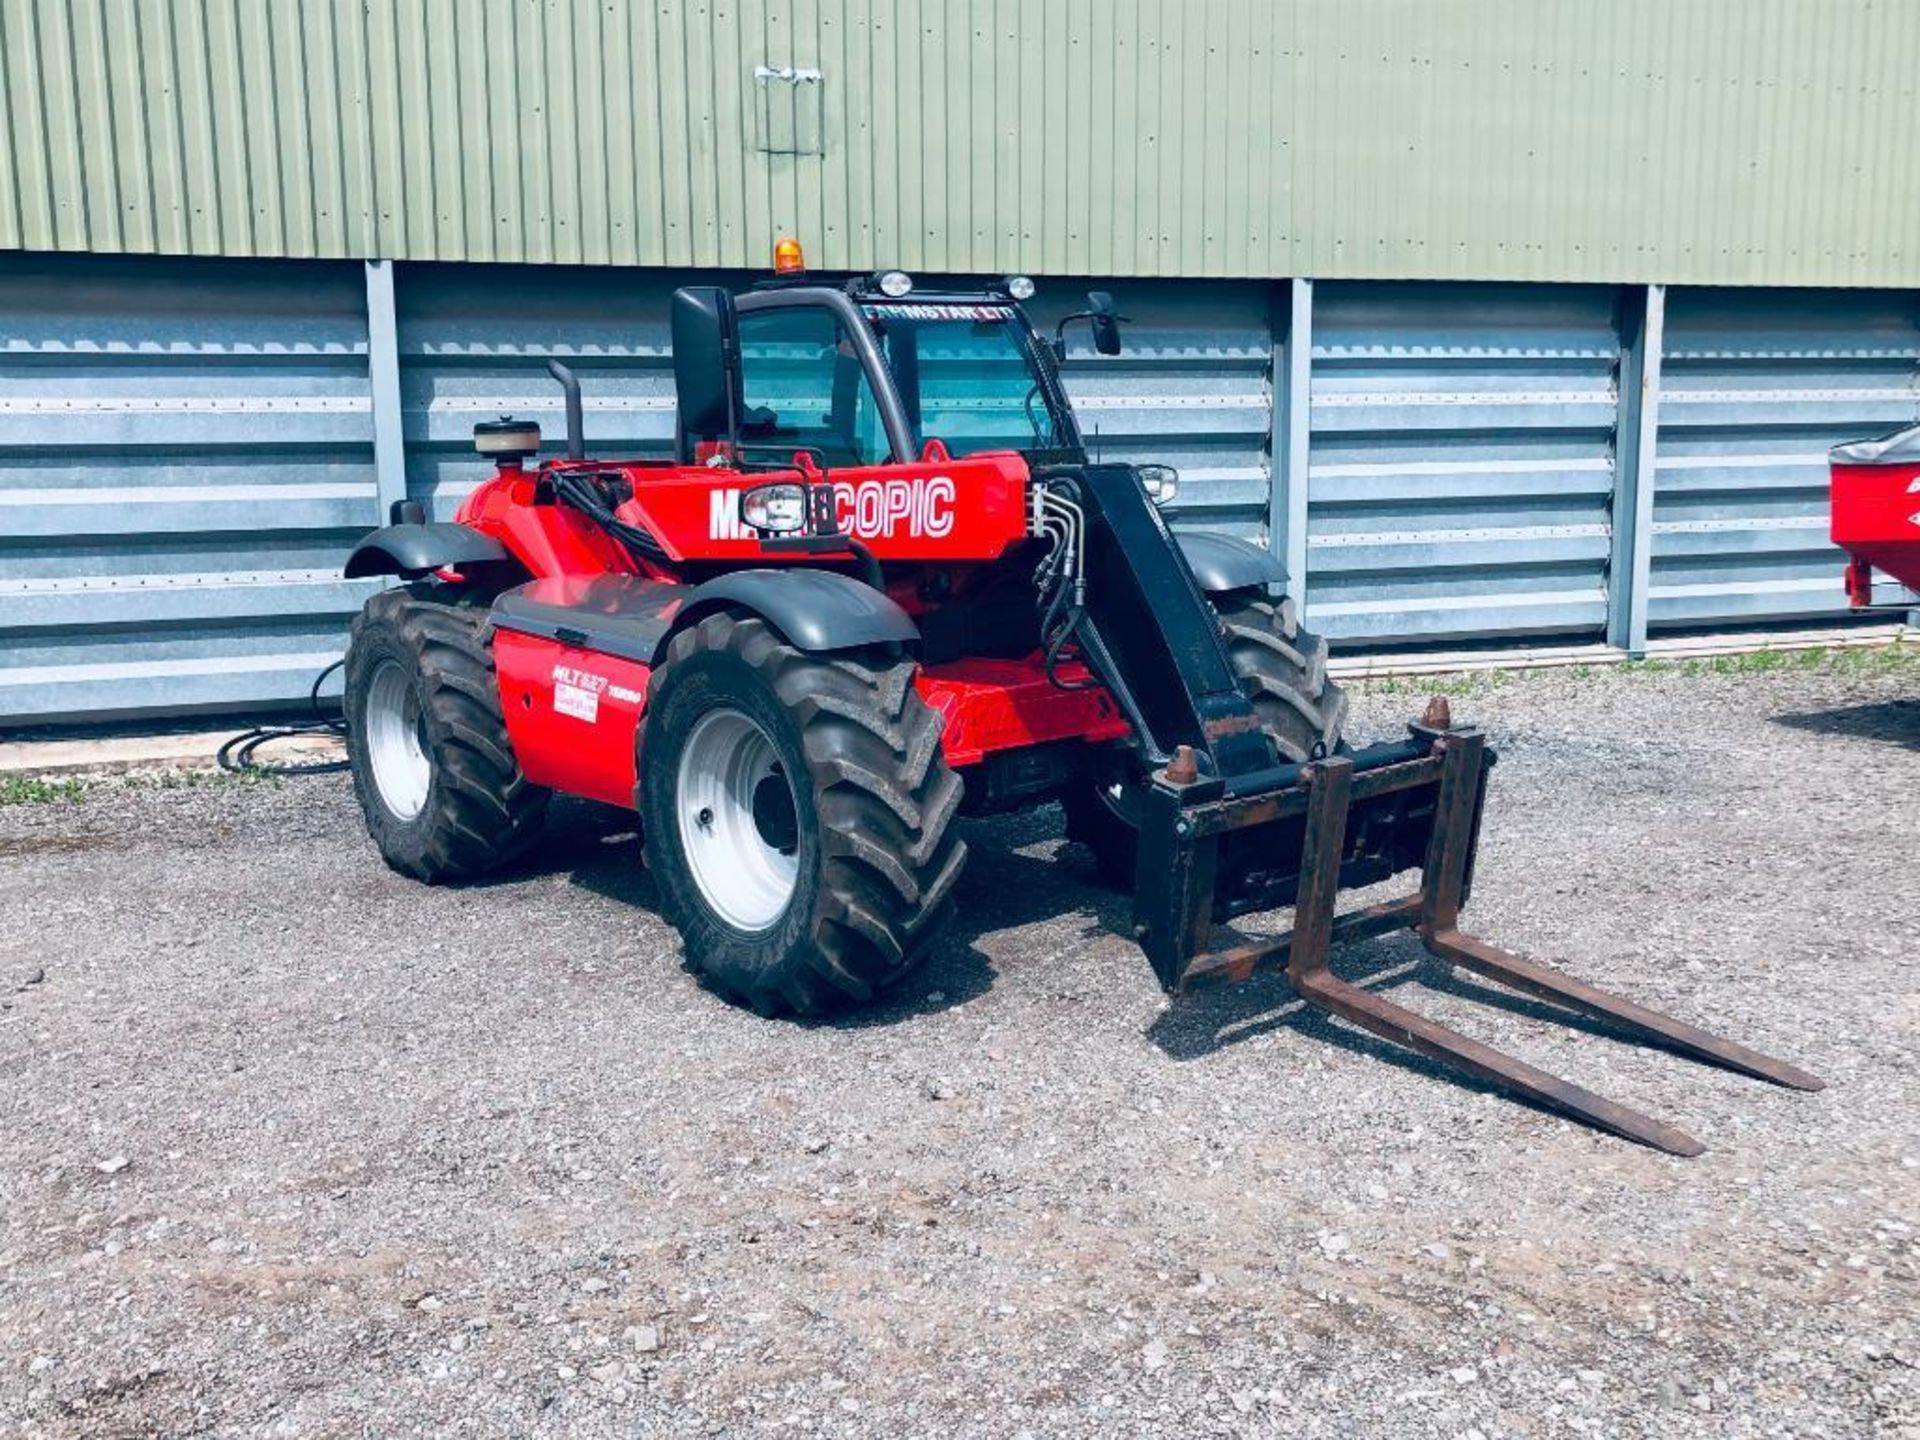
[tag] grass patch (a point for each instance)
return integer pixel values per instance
(200, 780)
(38, 790)
(1459, 682)
(50, 790)
(1847, 660)
(1901, 659)
(1863, 660)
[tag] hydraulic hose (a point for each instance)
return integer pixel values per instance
(236, 756)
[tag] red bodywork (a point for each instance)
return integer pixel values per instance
(574, 713)
(1876, 520)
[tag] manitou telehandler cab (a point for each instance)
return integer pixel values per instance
(881, 584)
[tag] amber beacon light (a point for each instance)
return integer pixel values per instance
(787, 257)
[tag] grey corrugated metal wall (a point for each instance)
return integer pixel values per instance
(1191, 389)
(1461, 470)
(474, 343)
(1755, 389)
(188, 448)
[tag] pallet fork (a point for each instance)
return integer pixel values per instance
(1361, 815)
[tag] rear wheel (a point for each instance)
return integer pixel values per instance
(798, 816)
(1282, 669)
(443, 796)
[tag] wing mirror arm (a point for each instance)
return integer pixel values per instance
(1060, 334)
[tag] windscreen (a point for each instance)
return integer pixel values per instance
(966, 377)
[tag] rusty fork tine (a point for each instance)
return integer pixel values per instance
(1534, 978)
(1449, 764)
(1314, 924)
(1320, 988)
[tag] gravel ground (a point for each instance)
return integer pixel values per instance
(289, 1145)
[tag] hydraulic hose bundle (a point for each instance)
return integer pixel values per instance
(1060, 577)
(583, 491)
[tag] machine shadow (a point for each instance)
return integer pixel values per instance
(1001, 889)
(1213, 1020)
(598, 848)
(1893, 722)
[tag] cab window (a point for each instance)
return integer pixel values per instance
(803, 388)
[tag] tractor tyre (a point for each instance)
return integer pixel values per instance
(432, 766)
(1282, 668)
(798, 815)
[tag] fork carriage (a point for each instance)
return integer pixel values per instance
(1357, 820)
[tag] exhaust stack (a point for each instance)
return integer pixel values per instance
(570, 383)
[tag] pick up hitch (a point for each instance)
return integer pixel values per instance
(1359, 819)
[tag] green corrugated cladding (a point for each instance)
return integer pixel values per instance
(1714, 141)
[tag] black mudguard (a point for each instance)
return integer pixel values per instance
(414, 550)
(625, 615)
(816, 610)
(1226, 562)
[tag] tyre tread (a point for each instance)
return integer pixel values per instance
(886, 801)
(481, 812)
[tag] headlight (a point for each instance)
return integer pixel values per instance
(775, 509)
(895, 283)
(1162, 483)
(1020, 287)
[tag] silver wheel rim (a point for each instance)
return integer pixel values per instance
(745, 874)
(396, 741)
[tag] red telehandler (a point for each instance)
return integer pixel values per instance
(881, 584)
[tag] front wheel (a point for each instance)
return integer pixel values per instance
(798, 816)
(1283, 670)
(432, 766)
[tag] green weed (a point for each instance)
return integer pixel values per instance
(199, 779)
(1849, 660)
(38, 790)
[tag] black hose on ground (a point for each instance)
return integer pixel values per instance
(236, 756)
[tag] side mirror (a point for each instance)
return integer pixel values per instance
(706, 365)
(1101, 318)
(1105, 321)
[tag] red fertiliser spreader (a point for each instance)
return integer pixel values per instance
(1876, 512)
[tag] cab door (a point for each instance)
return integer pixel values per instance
(812, 379)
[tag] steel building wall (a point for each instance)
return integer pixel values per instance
(185, 452)
(1190, 389)
(1714, 142)
(189, 448)
(1755, 389)
(1461, 470)
(474, 345)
